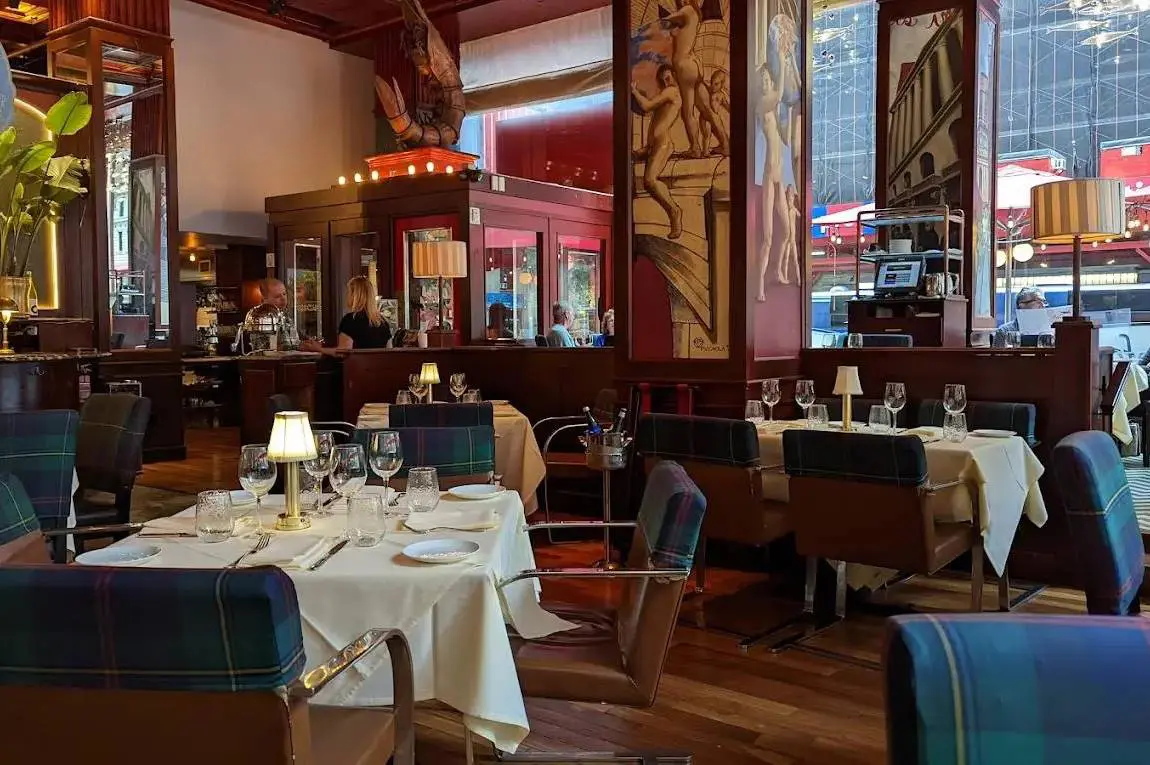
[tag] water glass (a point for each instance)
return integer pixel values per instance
(1008, 340)
(214, 521)
(772, 394)
(879, 419)
(894, 399)
(257, 474)
(854, 340)
(366, 525)
(348, 470)
(404, 398)
(805, 394)
(954, 398)
(309, 495)
(320, 467)
(954, 427)
(422, 489)
(385, 455)
(818, 417)
(753, 412)
(472, 396)
(1046, 340)
(458, 385)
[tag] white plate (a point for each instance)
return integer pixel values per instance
(241, 498)
(119, 555)
(441, 550)
(992, 433)
(476, 491)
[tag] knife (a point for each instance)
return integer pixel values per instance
(342, 544)
(328, 501)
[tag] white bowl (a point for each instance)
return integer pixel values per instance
(476, 491)
(119, 555)
(441, 550)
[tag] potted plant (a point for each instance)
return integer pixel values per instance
(41, 185)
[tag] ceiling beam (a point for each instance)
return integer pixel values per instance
(348, 42)
(291, 19)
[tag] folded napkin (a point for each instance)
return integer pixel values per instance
(172, 525)
(928, 435)
(292, 551)
(471, 519)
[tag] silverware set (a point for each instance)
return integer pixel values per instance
(260, 545)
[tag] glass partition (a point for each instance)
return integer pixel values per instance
(421, 297)
(357, 255)
(511, 284)
(304, 282)
(580, 275)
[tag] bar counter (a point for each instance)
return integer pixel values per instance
(43, 380)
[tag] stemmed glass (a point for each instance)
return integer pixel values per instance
(458, 385)
(772, 395)
(320, 467)
(805, 394)
(954, 398)
(894, 399)
(257, 474)
(418, 389)
(348, 470)
(385, 455)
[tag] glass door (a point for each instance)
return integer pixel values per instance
(511, 282)
(303, 278)
(355, 254)
(419, 300)
(581, 262)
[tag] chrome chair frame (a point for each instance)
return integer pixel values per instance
(570, 423)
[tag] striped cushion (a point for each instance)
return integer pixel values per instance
(440, 415)
(997, 415)
(110, 441)
(671, 516)
(17, 516)
(451, 451)
(1094, 495)
(40, 448)
(702, 439)
(898, 460)
(149, 629)
(1017, 688)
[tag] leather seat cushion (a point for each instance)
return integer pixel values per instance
(578, 665)
(342, 736)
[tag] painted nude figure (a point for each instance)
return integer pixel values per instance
(720, 107)
(664, 109)
(774, 201)
(696, 99)
(789, 255)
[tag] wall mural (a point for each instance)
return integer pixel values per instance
(680, 138)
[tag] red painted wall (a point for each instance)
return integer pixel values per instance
(566, 148)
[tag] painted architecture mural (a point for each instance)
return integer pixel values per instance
(680, 139)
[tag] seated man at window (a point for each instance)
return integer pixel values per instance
(1027, 298)
(559, 336)
(273, 293)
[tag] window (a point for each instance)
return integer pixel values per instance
(120, 241)
(511, 279)
(580, 273)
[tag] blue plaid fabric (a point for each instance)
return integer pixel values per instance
(451, 451)
(17, 516)
(898, 460)
(441, 415)
(40, 448)
(1094, 495)
(671, 515)
(702, 439)
(149, 629)
(109, 444)
(1017, 689)
(997, 415)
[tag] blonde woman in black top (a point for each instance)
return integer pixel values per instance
(363, 326)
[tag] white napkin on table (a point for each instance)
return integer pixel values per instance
(471, 519)
(171, 525)
(292, 551)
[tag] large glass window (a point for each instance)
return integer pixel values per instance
(580, 274)
(511, 284)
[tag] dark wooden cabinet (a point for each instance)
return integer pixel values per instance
(932, 322)
(34, 385)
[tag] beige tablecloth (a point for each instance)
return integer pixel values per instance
(1004, 471)
(452, 615)
(517, 455)
(1128, 398)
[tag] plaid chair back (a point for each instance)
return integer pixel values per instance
(451, 451)
(110, 441)
(670, 516)
(17, 516)
(441, 415)
(149, 629)
(1017, 688)
(40, 448)
(700, 439)
(998, 415)
(858, 457)
(1095, 497)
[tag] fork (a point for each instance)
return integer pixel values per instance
(394, 502)
(261, 543)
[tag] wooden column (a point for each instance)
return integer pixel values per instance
(712, 195)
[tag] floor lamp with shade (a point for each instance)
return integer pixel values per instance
(1075, 211)
(439, 260)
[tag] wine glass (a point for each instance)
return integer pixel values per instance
(458, 385)
(894, 399)
(422, 489)
(404, 398)
(385, 455)
(954, 398)
(257, 474)
(320, 467)
(417, 388)
(772, 395)
(348, 470)
(805, 394)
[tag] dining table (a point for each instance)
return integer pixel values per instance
(998, 478)
(456, 616)
(517, 456)
(1128, 399)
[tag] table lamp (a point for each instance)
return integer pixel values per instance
(291, 442)
(429, 375)
(7, 308)
(1076, 211)
(846, 385)
(439, 260)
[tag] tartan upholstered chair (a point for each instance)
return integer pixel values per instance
(1060, 690)
(109, 455)
(617, 656)
(459, 455)
(998, 415)
(206, 664)
(1098, 510)
(441, 415)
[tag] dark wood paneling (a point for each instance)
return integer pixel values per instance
(36, 385)
(148, 15)
(161, 381)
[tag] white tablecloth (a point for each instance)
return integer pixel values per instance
(1128, 398)
(453, 615)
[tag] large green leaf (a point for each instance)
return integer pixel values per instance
(31, 159)
(7, 141)
(69, 115)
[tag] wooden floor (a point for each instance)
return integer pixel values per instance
(725, 706)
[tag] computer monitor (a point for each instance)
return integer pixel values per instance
(898, 276)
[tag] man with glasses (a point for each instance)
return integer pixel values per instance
(1026, 299)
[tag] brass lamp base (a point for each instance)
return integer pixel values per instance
(292, 520)
(848, 415)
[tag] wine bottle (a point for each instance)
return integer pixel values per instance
(620, 418)
(593, 428)
(33, 298)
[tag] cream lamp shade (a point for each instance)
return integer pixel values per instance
(429, 374)
(292, 439)
(439, 260)
(847, 382)
(1086, 209)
